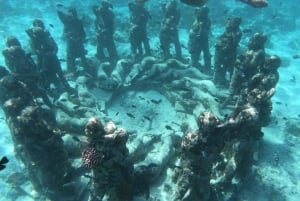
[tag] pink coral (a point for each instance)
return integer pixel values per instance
(91, 158)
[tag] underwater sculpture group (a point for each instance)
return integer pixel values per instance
(211, 157)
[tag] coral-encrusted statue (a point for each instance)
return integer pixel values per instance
(261, 88)
(108, 157)
(226, 50)
(199, 150)
(36, 143)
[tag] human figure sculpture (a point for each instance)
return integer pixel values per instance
(198, 40)
(247, 65)
(75, 38)
(106, 154)
(226, 51)
(105, 28)
(44, 46)
(261, 88)
(199, 150)
(169, 33)
(24, 69)
(36, 140)
(138, 29)
(242, 131)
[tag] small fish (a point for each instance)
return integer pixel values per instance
(247, 30)
(130, 115)
(69, 184)
(184, 46)
(284, 118)
(76, 139)
(217, 100)
(274, 15)
(278, 102)
(76, 107)
(117, 113)
(134, 106)
(173, 166)
(293, 79)
(148, 118)
(183, 88)
(141, 97)
(59, 5)
(156, 101)
(51, 25)
(169, 128)
(3, 161)
(63, 100)
(173, 122)
(296, 56)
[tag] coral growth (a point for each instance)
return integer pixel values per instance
(91, 158)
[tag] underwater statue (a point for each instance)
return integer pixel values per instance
(105, 28)
(107, 156)
(75, 37)
(37, 144)
(247, 65)
(45, 49)
(199, 149)
(226, 51)
(138, 35)
(261, 88)
(169, 32)
(199, 40)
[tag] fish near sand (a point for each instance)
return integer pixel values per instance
(130, 115)
(194, 2)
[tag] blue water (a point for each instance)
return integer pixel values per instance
(279, 21)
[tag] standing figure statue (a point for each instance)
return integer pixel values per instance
(75, 37)
(169, 32)
(247, 65)
(23, 68)
(138, 29)
(44, 46)
(108, 157)
(105, 28)
(226, 51)
(199, 149)
(198, 40)
(261, 88)
(37, 144)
